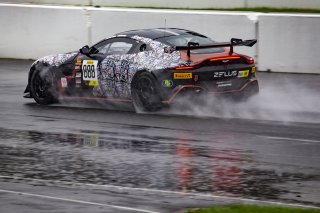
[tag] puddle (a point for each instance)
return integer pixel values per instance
(144, 161)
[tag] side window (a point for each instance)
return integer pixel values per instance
(119, 48)
(141, 47)
(115, 46)
(104, 48)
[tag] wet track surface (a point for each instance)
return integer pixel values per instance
(73, 157)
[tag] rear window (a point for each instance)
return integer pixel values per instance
(182, 40)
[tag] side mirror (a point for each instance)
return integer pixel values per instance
(85, 50)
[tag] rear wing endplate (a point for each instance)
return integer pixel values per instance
(233, 42)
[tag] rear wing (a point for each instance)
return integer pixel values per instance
(233, 42)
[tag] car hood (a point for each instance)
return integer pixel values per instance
(58, 59)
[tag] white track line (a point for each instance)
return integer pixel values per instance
(77, 201)
(166, 192)
(291, 139)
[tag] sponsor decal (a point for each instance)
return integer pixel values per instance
(78, 80)
(64, 82)
(167, 83)
(78, 62)
(89, 70)
(196, 78)
(225, 74)
(78, 74)
(93, 83)
(186, 75)
(243, 73)
(253, 70)
(224, 84)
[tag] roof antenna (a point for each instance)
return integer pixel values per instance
(165, 27)
(164, 32)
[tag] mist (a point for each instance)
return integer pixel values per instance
(282, 97)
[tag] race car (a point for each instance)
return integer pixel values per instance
(150, 68)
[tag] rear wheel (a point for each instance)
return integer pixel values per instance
(145, 93)
(42, 87)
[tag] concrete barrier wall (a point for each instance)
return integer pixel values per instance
(218, 26)
(29, 32)
(286, 43)
(307, 4)
(289, 43)
(54, 2)
(172, 3)
(35, 31)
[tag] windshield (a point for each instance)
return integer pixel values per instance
(182, 40)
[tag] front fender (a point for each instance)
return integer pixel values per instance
(36, 66)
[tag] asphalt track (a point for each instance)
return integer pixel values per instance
(76, 157)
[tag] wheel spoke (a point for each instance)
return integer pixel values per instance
(147, 97)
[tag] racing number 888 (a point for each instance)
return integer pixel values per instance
(88, 71)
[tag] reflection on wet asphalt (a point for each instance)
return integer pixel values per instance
(236, 157)
(182, 163)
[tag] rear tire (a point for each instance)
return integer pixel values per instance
(42, 87)
(145, 93)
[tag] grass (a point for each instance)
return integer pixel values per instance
(256, 9)
(253, 209)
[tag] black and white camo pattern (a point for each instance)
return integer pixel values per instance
(117, 71)
(56, 60)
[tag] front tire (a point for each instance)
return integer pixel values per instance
(42, 87)
(145, 93)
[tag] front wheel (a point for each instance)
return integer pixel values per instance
(145, 93)
(42, 87)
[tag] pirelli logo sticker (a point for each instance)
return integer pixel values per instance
(186, 75)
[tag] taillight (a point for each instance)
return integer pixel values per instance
(225, 58)
(250, 60)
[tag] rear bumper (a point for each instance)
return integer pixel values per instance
(248, 89)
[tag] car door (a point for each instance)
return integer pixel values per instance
(104, 71)
(114, 69)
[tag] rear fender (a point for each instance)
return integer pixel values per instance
(133, 81)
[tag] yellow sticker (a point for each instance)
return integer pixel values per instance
(93, 83)
(186, 75)
(90, 62)
(78, 62)
(91, 140)
(167, 83)
(243, 73)
(253, 70)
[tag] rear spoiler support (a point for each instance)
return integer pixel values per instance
(233, 42)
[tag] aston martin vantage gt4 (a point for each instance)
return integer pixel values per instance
(150, 68)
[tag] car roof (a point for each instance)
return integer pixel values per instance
(156, 33)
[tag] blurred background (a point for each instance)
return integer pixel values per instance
(63, 157)
(287, 31)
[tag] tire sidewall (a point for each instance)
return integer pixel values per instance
(51, 95)
(136, 97)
